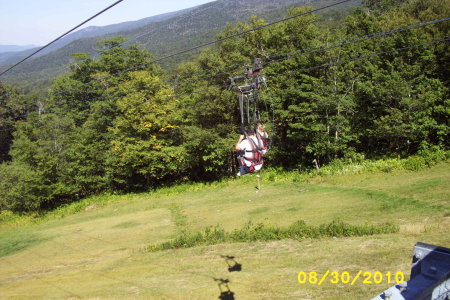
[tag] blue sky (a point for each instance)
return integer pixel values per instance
(24, 22)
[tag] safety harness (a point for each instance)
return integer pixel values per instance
(257, 154)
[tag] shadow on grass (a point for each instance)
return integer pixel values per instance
(233, 265)
(225, 292)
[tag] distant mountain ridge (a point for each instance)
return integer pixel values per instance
(161, 35)
(15, 48)
(11, 57)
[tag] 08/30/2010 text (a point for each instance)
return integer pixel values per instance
(345, 277)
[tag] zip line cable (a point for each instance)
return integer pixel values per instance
(358, 39)
(363, 57)
(246, 31)
(61, 36)
(335, 45)
(314, 50)
(306, 69)
(210, 43)
(220, 40)
(361, 38)
(338, 44)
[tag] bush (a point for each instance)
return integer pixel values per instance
(433, 154)
(414, 163)
(261, 232)
(20, 188)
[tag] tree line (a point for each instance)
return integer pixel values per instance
(120, 123)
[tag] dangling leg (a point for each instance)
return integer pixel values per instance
(243, 169)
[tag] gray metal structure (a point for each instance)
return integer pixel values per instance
(430, 276)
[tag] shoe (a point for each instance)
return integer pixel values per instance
(238, 174)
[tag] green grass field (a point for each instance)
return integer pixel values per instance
(102, 253)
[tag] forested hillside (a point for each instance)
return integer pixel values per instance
(161, 35)
(374, 85)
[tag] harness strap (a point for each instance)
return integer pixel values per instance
(258, 156)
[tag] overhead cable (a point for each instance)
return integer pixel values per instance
(310, 50)
(222, 39)
(247, 31)
(61, 36)
(323, 66)
(295, 53)
(356, 40)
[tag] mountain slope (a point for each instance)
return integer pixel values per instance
(173, 32)
(15, 48)
(88, 32)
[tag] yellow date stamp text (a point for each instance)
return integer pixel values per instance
(335, 277)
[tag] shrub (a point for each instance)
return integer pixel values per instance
(261, 232)
(414, 163)
(433, 154)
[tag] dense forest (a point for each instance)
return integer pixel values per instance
(374, 85)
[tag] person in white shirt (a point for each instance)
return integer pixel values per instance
(250, 153)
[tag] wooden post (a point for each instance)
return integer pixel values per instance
(317, 165)
(259, 183)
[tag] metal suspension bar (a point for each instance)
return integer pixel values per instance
(248, 113)
(241, 106)
(255, 110)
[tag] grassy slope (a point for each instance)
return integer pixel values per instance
(98, 254)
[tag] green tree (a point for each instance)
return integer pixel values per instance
(292, 80)
(146, 147)
(400, 95)
(93, 80)
(42, 143)
(89, 155)
(90, 95)
(14, 107)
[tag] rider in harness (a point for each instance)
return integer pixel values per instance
(251, 152)
(262, 133)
